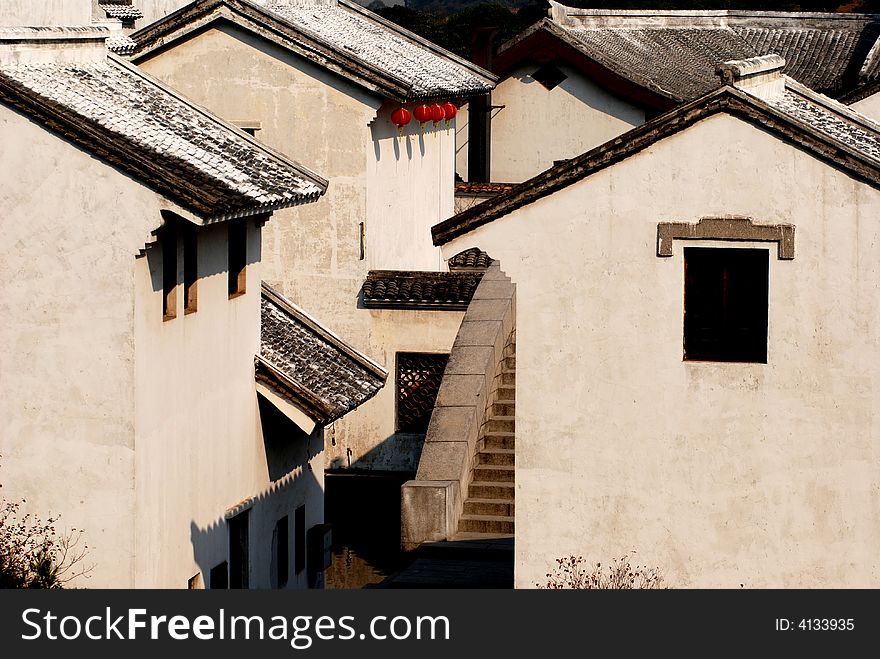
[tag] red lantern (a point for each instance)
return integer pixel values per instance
(401, 117)
(450, 110)
(437, 113)
(422, 114)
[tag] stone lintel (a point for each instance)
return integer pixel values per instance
(730, 228)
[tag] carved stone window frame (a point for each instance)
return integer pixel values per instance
(735, 228)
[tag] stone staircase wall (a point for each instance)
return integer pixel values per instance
(432, 503)
(489, 508)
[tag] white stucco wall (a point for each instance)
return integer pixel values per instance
(397, 187)
(537, 126)
(720, 474)
(200, 446)
(155, 9)
(73, 227)
(367, 440)
(410, 187)
(46, 12)
(870, 106)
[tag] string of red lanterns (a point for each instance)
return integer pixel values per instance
(423, 114)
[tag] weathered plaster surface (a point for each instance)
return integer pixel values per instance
(536, 127)
(721, 474)
(73, 227)
(397, 187)
(870, 106)
(46, 12)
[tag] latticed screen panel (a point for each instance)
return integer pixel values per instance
(418, 381)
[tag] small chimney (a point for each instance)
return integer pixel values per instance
(759, 76)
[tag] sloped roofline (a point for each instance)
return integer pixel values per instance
(301, 316)
(273, 376)
(265, 23)
(561, 11)
(727, 100)
(168, 176)
(546, 36)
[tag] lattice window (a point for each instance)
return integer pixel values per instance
(418, 381)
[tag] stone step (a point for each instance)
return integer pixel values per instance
(496, 507)
(492, 440)
(510, 362)
(501, 424)
(504, 407)
(506, 391)
(507, 378)
(495, 473)
(485, 524)
(490, 490)
(496, 456)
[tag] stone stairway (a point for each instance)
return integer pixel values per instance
(489, 506)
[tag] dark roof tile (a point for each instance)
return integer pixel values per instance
(405, 289)
(119, 113)
(470, 259)
(340, 35)
(310, 365)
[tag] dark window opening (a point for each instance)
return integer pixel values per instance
(219, 576)
(190, 270)
(725, 304)
(299, 539)
(249, 127)
(549, 76)
(282, 553)
(168, 240)
(418, 381)
(238, 550)
(237, 257)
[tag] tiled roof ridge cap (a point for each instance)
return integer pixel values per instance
(832, 105)
(301, 169)
(872, 55)
(39, 32)
(733, 70)
(727, 98)
(299, 314)
(561, 12)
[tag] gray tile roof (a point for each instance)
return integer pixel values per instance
(123, 11)
(672, 52)
(121, 44)
(125, 117)
(829, 130)
(406, 289)
(470, 259)
(830, 118)
(676, 62)
(309, 365)
(340, 35)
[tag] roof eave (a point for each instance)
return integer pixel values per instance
(272, 377)
(301, 316)
(546, 36)
(199, 16)
(725, 99)
(413, 305)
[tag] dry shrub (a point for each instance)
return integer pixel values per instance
(573, 572)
